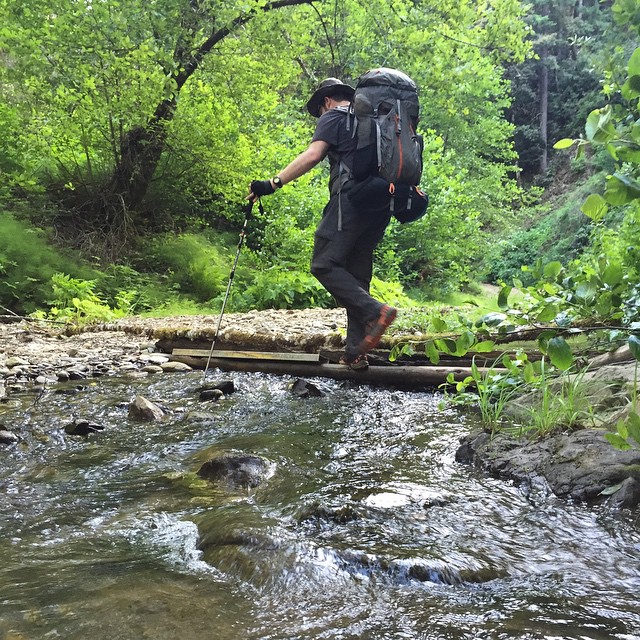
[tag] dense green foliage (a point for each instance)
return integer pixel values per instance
(130, 130)
(137, 118)
(554, 91)
(27, 264)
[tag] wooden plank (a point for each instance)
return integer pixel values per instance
(248, 355)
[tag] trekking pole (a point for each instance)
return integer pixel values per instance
(243, 233)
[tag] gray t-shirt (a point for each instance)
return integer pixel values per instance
(332, 129)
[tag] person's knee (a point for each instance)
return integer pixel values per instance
(321, 264)
(319, 269)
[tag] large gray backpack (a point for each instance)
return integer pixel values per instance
(386, 109)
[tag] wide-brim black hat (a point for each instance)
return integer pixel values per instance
(327, 87)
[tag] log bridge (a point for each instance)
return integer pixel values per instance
(380, 371)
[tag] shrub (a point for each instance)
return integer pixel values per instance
(191, 263)
(27, 263)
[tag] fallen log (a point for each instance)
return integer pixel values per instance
(397, 376)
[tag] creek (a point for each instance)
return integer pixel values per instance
(367, 528)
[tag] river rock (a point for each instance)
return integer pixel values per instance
(226, 386)
(152, 368)
(211, 394)
(14, 361)
(238, 470)
(82, 427)
(145, 410)
(7, 437)
(304, 389)
(579, 465)
(174, 366)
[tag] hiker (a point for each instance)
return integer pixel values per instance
(345, 238)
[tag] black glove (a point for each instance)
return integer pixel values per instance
(261, 188)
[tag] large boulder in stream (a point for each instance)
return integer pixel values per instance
(581, 465)
(237, 470)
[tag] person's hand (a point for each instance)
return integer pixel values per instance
(260, 188)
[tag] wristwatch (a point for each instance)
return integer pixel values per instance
(277, 182)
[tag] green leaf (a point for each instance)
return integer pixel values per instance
(552, 269)
(543, 339)
(446, 345)
(548, 313)
(560, 353)
(432, 352)
(464, 343)
(633, 425)
(586, 291)
(631, 88)
(634, 63)
(485, 346)
(629, 153)
(528, 373)
(565, 143)
(598, 127)
(491, 319)
(634, 346)
(621, 189)
(609, 491)
(595, 207)
(617, 441)
(439, 325)
(613, 274)
(503, 297)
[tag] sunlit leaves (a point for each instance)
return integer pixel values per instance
(599, 127)
(621, 189)
(627, 431)
(631, 88)
(565, 143)
(595, 207)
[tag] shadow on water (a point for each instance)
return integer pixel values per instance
(365, 528)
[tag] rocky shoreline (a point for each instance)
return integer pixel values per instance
(580, 465)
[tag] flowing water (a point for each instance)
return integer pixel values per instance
(367, 527)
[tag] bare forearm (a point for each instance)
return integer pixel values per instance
(308, 159)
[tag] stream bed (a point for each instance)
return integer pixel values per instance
(366, 528)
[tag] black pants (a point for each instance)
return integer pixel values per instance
(343, 263)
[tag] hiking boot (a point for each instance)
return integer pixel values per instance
(357, 363)
(376, 328)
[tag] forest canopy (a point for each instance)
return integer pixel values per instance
(125, 123)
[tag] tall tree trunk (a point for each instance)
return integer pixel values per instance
(544, 111)
(142, 146)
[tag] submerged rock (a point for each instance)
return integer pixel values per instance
(226, 386)
(240, 470)
(216, 390)
(81, 427)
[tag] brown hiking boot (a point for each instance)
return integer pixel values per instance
(357, 363)
(377, 327)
